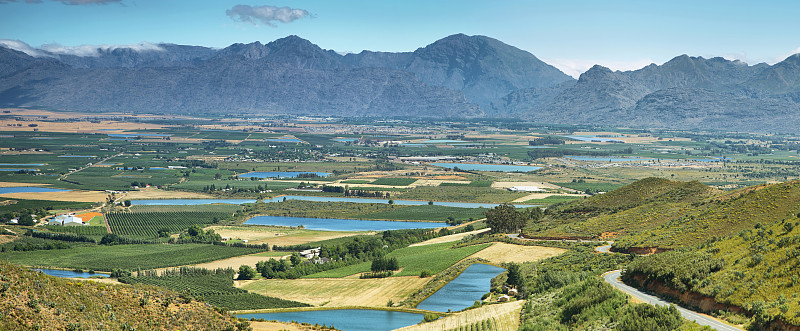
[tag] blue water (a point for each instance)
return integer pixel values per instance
(77, 156)
(334, 224)
(346, 319)
(69, 274)
(286, 140)
(396, 201)
(23, 164)
(28, 189)
(159, 168)
(487, 167)
(321, 199)
(344, 140)
(608, 158)
(134, 135)
(6, 169)
(281, 174)
(462, 292)
(413, 145)
(593, 139)
(190, 202)
(443, 141)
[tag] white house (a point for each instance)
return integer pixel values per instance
(13, 221)
(525, 189)
(310, 253)
(66, 220)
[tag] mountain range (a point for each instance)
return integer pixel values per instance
(457, 76)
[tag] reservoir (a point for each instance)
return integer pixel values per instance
(486, 167)
(462, 292)
(333, 224)
(346, 319)
(190, 202)
(28, 189)
(69, 273)
(321, 199)
(281, 174)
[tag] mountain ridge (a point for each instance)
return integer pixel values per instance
(456, 76)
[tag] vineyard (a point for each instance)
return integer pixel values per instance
(213, 286)
(149, 224)
(80, 230)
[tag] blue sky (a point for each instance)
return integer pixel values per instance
(572, 35)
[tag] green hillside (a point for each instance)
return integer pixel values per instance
(756, 269)
(31, 300)
(668, 214)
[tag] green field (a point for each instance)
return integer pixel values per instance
(149, 224)
(553, 199)
(214, 287)
(394, 181)
(131, 257)
(474, 183)
(413, 260)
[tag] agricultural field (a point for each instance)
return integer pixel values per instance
(214, 287)
(394, 181)
(500, 253)
(155, 224)
(338, 292)
(413, 260)
(131, 257)
(281, 236)
(504, 316)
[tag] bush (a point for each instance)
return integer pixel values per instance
(645, 317)
(430, 317)
(246, 272)
(425, 274)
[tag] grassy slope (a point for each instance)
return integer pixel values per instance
(126, 256)
(32, 300)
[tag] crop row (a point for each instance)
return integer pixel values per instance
(152, 224)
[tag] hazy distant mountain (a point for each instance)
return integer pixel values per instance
(457, 76)
(485, 69)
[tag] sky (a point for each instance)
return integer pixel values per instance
(572, 35)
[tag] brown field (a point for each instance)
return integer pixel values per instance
(79, 196)
(504, 316)
(6, 239)
(449, 238)
(504, 253)
(236, 262)
(11, 184)
(338, 292)
(542, 185)
(154, 193)
(280, 236)
(278, 326)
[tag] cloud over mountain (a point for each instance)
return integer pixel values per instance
(266, 15)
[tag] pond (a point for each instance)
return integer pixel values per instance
(486, 167)
(29, 189)
(462, 292)
(281, 174)
(344, 140)
(6, 169)
(22, 164)
(284, 140)
(69, 273)
(346, 319)
(190, 202)
(594, 139)
(608, 158)
(396, 201)
(334, 224)
(443, 141)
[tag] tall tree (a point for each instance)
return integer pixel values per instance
(504, 218)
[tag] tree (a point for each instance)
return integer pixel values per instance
(27, 220)
(296, 259)
(127, 203)
(246, 272)
(504, 218)
(515, 277)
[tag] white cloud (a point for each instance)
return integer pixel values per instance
(784, 56)
(94, 50)
(22, 47)
(51, 50)
(267, 15)
(575, 67)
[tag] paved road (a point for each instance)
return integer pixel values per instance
(612, 277)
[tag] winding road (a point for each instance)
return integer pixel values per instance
(613, 278)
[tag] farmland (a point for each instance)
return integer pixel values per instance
(131, 257)
(339, 292)
(150, 224)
